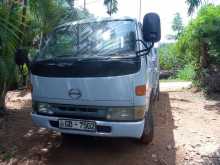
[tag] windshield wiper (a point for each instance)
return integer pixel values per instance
(93, 59)
(64, 55)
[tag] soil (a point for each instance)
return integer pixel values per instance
(187, 131)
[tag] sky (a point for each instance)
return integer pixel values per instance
(165, 8)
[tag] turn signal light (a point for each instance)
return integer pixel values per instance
(140, 90)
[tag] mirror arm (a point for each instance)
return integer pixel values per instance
(145, 51)
(144, 43)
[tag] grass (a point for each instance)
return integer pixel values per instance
(7, 156)
(185, 74)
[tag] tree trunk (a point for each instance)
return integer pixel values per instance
(2, 98)
(204, 55)
(204, 65)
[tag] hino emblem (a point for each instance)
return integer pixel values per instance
(74, 93)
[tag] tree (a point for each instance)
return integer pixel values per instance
(192, 5)
(112, 6)
(199, 44)
(9, 37)
(177, 25)
(21, 22)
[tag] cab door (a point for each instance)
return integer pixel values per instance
(151, 71)
(155, 69)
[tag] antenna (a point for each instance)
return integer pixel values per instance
(84, 5)
(140, 9)
(110, 7)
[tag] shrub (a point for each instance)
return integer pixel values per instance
(168, 56)
(199, 44)
(8, 76)
(187, 73)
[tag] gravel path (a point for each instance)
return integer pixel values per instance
(187, 131)
(175, 86)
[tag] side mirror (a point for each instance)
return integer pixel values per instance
(151, 27)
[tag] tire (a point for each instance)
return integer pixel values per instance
(148, 132)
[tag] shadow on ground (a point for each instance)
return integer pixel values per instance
(87, 150)
(215, 107)
(34, 145)
(212, 159)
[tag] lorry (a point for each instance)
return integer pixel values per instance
(98, 77)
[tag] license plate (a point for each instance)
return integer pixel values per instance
(78, 125)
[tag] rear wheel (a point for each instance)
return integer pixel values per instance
(148, 132)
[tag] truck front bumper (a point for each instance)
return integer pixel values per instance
(117, 129)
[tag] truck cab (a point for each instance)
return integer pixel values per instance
(97, 78)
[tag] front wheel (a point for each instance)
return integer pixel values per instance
(148, 132)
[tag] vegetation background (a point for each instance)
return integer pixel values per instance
(195, 54)
(22, 25)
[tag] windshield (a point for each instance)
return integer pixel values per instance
(88, 40)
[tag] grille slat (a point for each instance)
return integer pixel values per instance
(79, 111)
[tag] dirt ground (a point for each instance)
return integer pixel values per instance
(187, 131)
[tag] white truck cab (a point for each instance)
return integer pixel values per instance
(98, 77)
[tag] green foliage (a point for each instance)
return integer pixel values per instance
(47, 14)
(6, 154)
(187, 73)
(169, 59)
(22, 24)
(9, 37)
(192, 5)
(9, 28)
(8, 76)
(177, 25)
(113, 6)
(203, 30)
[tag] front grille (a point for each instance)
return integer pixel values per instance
(77, 109)
(84, 112)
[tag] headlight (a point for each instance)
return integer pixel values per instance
(126, 114)
(44, 108)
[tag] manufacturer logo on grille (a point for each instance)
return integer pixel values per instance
(74, 93)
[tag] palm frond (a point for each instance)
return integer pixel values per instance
(9, 29)
(114, 6)
(192, 5)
